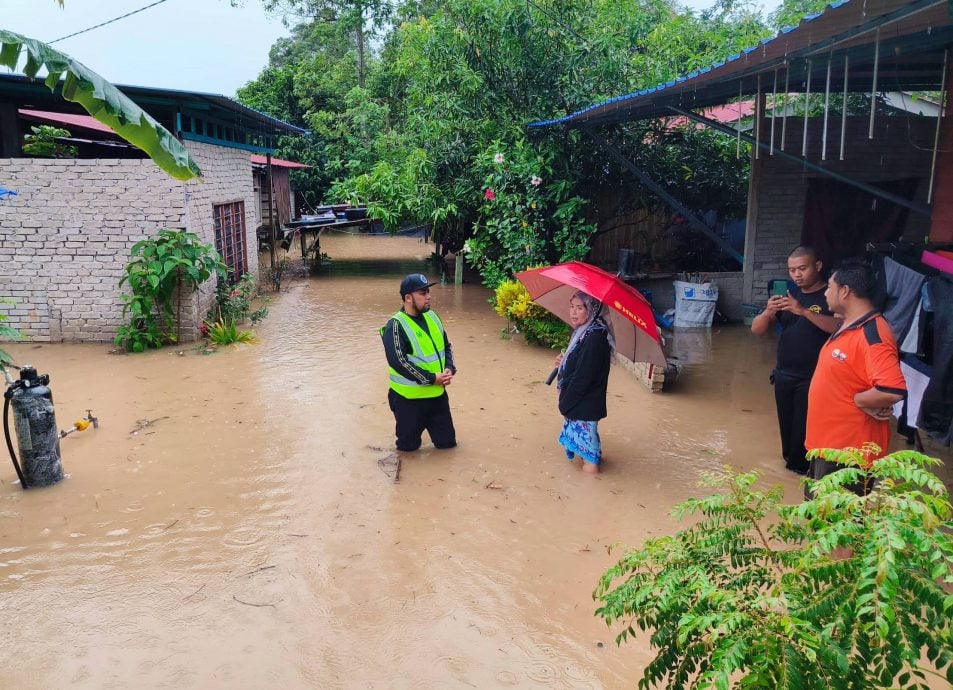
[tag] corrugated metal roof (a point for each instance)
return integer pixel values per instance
(908, 32)
(81, 121)
(276, 162)
(148, 98)
(224, 102)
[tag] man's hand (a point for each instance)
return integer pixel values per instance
(559, 359)
(774, 305)
(791, 305)
(878, 413)
(444, 378)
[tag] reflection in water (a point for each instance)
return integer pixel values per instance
(229, 526)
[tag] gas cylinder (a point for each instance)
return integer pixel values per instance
(38, 438)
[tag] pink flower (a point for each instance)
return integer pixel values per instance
(536, 181)
(233, 293)
(203, 329)
(488, 194)
(498, 158)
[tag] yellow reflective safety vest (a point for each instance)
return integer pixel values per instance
(429, 353)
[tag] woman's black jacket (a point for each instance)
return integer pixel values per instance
(582, 392)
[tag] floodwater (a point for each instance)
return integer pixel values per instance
(234, 521)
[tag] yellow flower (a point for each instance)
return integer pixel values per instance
(533, 205)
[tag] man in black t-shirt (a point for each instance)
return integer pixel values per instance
(806, 322)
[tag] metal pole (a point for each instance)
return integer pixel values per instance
(873, 89)
(939, 119)
(757, 122)
(843, 110)
(807, 110)
(827, 100)
(738, 146)
(774, 109)
(784, 113)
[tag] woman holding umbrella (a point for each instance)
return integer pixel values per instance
(583, 378)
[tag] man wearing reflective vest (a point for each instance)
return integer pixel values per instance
(421, 366)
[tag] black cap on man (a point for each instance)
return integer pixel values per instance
(414, 282)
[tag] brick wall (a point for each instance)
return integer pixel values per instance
(901, 147)
(66, 237)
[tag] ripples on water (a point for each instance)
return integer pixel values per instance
(247, 538)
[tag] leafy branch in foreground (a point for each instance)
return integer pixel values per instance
(842, 591)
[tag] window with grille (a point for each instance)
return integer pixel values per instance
(230, 237)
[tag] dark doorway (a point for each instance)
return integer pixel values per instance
(839, 220)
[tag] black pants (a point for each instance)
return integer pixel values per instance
(790, 396)
(413, 416)
(820, 468)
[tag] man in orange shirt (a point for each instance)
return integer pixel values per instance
(858, 376)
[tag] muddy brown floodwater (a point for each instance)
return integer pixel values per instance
(230, 524)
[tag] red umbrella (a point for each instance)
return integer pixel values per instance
(636, 335)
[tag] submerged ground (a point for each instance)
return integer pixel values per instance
(234, 523)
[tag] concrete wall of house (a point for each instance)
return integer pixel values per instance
(65, 238)
(901, 148)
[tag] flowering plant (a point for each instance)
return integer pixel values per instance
(523, 222)
(233, 302)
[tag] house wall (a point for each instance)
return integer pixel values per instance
(226, 177)
(901, 147)
(66, 237)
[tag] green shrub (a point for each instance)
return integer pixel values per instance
(160, 269)
(42, 142)
(842, 591)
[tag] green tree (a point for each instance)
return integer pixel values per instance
(454, 79)
(839, 592)
(360, 19)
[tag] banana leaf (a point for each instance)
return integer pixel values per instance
(102, 100)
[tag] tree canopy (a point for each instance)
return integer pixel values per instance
(410, 102)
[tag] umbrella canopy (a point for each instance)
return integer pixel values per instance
(636, 335)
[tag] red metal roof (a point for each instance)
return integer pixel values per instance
(276, 162)
(82, 121)
(726, 114)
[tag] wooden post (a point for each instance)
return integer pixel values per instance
(458, 268)
(272, 235)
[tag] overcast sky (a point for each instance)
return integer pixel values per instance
(193, 45)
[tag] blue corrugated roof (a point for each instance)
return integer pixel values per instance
(863, 18)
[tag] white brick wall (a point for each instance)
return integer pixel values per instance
(66, 237)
